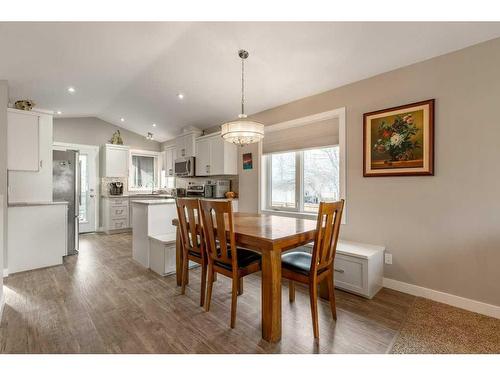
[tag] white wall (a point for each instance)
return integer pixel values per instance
(96, 132)
(443, 231)
(3, 183)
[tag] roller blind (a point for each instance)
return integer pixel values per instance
(322, 133)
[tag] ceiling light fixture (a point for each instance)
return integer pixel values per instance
(180, 95)
(122, 119)
(59, 112)
(154, 125)
(149, 136)
(242, 131)
(71, 90)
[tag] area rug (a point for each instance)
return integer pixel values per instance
(433, 327)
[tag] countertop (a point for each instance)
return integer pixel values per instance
(138, 196)
(153, 201)
(25, 204)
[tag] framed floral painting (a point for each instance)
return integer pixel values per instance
(399, 141)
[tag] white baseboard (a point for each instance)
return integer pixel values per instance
(5, 272)
(449, 299)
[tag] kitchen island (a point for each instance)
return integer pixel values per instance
(150, 217)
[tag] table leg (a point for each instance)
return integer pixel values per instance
(271, 295)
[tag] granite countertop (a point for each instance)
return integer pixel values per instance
(153, 201)
(25, 204)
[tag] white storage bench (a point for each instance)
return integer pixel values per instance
(162, 253)
(359, 267)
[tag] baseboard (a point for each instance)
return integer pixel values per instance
(449, 299)
(5, 272)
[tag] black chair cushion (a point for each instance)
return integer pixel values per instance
(297, 261)
(245, 258)
(194, 253)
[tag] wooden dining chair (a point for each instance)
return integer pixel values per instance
(299, 266)
(193, 248)
(223, 255)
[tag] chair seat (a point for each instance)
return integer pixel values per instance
(245, 258)
(297, 261)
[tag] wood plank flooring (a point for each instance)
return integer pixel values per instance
(101, 301)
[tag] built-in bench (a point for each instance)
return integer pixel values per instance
(359, 267)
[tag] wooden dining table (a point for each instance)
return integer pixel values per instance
(270, 235)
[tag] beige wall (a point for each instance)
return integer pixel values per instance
(248, 179)
(3, 180)
(94, 131)
(443, 231)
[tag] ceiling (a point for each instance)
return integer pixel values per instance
(136, 70)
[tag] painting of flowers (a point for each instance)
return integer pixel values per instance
(399, 141)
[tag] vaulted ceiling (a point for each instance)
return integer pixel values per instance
(134, 71)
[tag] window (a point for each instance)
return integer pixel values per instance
(299, 180)
(143, 172)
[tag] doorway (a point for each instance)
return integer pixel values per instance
(87, 181)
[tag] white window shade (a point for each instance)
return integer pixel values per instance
(319, 134)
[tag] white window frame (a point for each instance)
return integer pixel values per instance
(299, 180)
(156, 164)
(338, 113)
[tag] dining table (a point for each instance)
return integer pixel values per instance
(270, 235)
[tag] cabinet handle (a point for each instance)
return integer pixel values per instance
(41, 163)
(339, 270)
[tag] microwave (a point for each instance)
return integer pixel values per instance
(184, 167)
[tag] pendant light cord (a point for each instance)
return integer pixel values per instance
(242, 86)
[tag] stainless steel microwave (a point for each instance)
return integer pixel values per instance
(184, 167)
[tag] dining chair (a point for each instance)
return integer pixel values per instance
(223, 255)
(193, 248)
(311, 269)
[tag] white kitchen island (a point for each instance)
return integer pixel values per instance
(150, 217)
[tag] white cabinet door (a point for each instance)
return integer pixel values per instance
(170, 156)
(203, 151)
(22, 142)
(116, 159)
(180, 146)
(217, 156)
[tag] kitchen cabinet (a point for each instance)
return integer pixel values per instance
(23, 140)
(115, 214)
(185, 144)
(29, 159)
(169, 156)
(215, 157)
(114, 160)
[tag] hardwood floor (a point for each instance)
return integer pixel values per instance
(101, 301)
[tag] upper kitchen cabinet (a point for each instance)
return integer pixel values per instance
(169, 156)
(214, 156)
(185, 144)
(23, 138)
(29, 156)
(114, 160)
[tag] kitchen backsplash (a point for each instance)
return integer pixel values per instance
(183, 182)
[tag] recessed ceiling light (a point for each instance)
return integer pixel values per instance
(180, 95)
(122, 119)
(154, 125)
(59, 112)
(71, 90)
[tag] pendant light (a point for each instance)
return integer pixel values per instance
(242, 131)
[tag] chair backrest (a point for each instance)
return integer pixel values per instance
(218, 228)
(190, 225)
(327, 234)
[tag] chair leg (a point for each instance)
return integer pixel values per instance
(313, 294)
(185, 264)
(209, 289)
(203, 283)
(331, 296)
(234, 300)
(291, 290)
(240, 286)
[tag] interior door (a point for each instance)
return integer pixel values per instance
(87, 198)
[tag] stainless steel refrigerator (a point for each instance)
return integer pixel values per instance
(66, 187)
